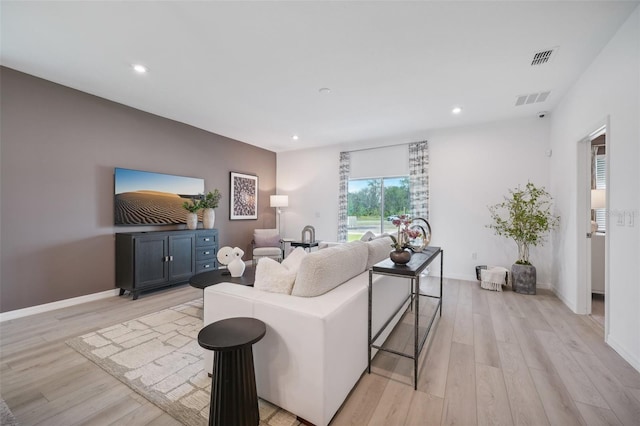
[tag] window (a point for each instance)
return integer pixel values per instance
(373, 203)
(601, 183)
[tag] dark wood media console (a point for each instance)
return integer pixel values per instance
(149, 260)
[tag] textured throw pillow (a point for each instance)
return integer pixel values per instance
(323, 270)
(293, 260)
(378, 250)
(273, 277)
(269, 240)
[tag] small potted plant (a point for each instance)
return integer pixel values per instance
(192, 208)
(401, 242)
(524, 216)
(209, 202)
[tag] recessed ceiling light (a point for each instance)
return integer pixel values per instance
(456, 110)
(140, 69)
(324, 90)
(295, 137)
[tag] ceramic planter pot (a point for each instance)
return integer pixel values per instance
(523, 278)
(401, 257)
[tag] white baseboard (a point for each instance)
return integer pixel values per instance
(467, 277)
(635, 362)
(32, 310)
(564, 300)
(462, 277)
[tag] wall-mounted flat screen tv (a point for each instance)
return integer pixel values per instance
(147, 198)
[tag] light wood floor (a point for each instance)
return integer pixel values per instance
(494, 358)
(597, 308)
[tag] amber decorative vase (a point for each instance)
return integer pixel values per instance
(400, 257)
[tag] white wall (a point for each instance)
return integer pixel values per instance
(471, 168)
(608, 89)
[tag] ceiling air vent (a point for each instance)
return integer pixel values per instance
(543, 56)
(532, 98)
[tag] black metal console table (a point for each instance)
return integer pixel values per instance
(412, 270)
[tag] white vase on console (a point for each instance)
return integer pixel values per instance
(208, 218)
(192, 220)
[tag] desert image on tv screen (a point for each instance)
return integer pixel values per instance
(146, 198)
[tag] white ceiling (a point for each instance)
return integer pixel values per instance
(251, 70)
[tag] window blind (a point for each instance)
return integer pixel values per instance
(601, 183)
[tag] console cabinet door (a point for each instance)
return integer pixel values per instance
(151, 266)
(182, 262)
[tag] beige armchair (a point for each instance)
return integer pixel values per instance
(266, 243)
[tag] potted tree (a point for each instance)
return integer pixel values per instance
(208, 203)
(192, 208)
(524, 216)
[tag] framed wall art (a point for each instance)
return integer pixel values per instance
(244, 197)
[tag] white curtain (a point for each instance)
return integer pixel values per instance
(343, 196)
(419, 179)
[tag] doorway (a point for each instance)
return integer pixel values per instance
(592, 226)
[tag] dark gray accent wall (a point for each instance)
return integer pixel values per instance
(58, 149)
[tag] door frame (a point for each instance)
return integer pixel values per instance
(583, 222)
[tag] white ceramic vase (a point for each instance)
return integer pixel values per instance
(208, 218)
(192, 220)
(236, 267)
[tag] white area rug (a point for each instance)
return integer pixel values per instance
(6, 416)
(158, 356)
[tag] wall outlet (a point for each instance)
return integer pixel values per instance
(620, 218)
(474, 256)
(630, 218)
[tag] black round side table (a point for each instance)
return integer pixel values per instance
(234, 400)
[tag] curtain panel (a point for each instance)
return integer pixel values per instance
(343, 196)
(419, 179)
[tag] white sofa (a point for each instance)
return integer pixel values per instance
(315, 348)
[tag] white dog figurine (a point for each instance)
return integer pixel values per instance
(236, 266)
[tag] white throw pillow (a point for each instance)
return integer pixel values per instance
(273, 277)
(293, 259)
(378, 250)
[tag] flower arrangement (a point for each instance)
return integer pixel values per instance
(405, 233)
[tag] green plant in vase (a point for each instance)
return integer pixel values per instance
(208, 202)
(524, 216)
(192, 208)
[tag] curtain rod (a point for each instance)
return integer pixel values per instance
(380, 147)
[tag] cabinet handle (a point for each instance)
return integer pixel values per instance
(206, 252)
(171, 258)
(206, 266)
(165, 259)
(207, 239)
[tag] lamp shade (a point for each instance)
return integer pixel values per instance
(279, 201)
(598, 198)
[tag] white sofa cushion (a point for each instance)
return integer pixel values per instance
(324, 270)
(378, 250)
(273, 277)
(293, 260)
